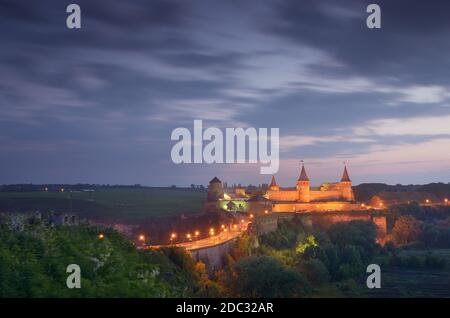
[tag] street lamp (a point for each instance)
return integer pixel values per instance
(142, 237)
(189, 237)
(446, 201)
(251, 216)
(197, 233)
(172, 237)
(101, 236)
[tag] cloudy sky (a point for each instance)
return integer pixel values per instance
(98, 104)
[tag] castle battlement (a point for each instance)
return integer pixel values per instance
(329, 196)
(337, 196)
(339, 191)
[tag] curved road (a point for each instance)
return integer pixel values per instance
(214, 240)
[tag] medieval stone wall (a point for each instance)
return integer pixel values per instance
(213, 257)
(317, 195)
(283, 195)
(315, 206)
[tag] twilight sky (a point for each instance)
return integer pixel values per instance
(98, 105)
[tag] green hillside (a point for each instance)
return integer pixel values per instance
(33, 264)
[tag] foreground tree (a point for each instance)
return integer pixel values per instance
(406, 230)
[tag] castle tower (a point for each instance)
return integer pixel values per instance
(273, 185)
(303, 186)
(346, 186)
(215, 190)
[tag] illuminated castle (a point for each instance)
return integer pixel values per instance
(303, 198)
(328, 197)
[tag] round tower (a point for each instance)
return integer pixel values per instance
(215, 191)
(303, 186)
(346, 186)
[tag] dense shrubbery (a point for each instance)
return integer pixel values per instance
(293, 261)
(265, 276)
(286, 236)
(33, 264)
(336, 256)
(307, 258)
(422, 213)
(430, 233)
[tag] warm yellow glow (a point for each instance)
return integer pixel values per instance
(101, 236)
(197, 233)
(363, 205)
(427, 201)
(446, 200)
(222, 226)
(381, 203)
(188, 236)
(173, 235)
(242, 220)
(235, 226)
(211, 232)
(251, 216)
(224, 230)
(141, 237)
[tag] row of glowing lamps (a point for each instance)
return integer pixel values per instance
(141, 237)
(189, 236)
(211, 232)
(427, 201)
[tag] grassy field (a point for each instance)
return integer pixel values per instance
(118, 203)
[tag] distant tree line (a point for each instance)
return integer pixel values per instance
(365, 191)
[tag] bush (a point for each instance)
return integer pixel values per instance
(357, 233)
(349, 270)
(34, 265)
(264, 276)
(406, 230)
(315, 271)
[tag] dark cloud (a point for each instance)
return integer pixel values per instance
(414, 35)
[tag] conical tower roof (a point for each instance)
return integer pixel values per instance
(345, 177)
(215, 180)
(303, 175)
(273, 183)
